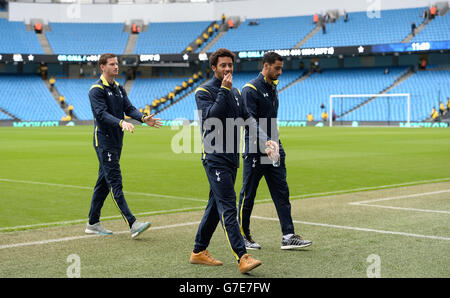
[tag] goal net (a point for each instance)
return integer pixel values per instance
(383, 109)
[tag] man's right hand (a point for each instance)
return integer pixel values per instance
(127, 126)
(227, 81)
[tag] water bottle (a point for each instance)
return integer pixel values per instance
(276, 162)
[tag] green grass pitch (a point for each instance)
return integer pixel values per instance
(47, 177)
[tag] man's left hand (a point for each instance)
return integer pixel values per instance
(153, 122)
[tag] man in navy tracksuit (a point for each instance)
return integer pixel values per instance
(109, 103)
(261, 100)
(219, 104)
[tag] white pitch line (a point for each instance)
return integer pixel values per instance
(92, 189)
(406, 209)
(358, 229)
(402, 197)
(361, 189)
(365, 203)
(103, 217)
(193, 199)
(42, 242)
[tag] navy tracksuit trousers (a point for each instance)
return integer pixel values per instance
(109, 181)
(221, 207)
(278, 187)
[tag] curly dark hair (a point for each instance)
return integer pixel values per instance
(220, 53)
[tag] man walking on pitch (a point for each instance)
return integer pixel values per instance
(218, 102)
(109, 103)
(261, 100)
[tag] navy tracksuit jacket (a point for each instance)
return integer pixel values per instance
(109, 104)
(261, 101)
(221, 160)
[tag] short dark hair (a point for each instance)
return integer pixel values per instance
(104, 58)
(271, 57)
(220, 53)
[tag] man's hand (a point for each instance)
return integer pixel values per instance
(227, 81)
(272, 150)
(153, 122)
(127, 126)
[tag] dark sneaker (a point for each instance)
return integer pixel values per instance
(296, 241)
(250, 243)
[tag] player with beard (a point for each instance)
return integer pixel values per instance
(261, 100)
(218, 102)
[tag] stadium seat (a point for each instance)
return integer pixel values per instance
(186, 108)
(87, 38)
(28, 98)
(307, 96)
(364, 29)
(4, 116)
(75, 92)
(163, 38)
(436, 30)
(14, 38)
(270, 34)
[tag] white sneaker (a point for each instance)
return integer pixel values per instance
(250, 243)
(97, 228)
(138, 227)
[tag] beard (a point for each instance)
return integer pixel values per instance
(273, 77)
(220, 76)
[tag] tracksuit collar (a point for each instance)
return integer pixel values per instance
(216, 81)
(105, 82)
(262, 77)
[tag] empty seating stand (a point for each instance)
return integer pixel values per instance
(436, 30)
(269, 34)
(307, 97)
(14, 38)
(186, 108)
(87, 38)
(28, 98)
(365, 28)
(75, 92)
(145, 90)
(163, 38)
(4, 116)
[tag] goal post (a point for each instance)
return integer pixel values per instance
(404, 95)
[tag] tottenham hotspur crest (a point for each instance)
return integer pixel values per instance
(218, 176)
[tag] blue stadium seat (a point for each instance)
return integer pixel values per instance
(186, 108)
(4, 116)
(306, 97)
(163, 38)
(75, 92)
(15, 39)
(270, 34)
(215, 33)
(28, 98)
(427, 88)
(87, 38)
(437, 30)
(144, 91)
(364, 28)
